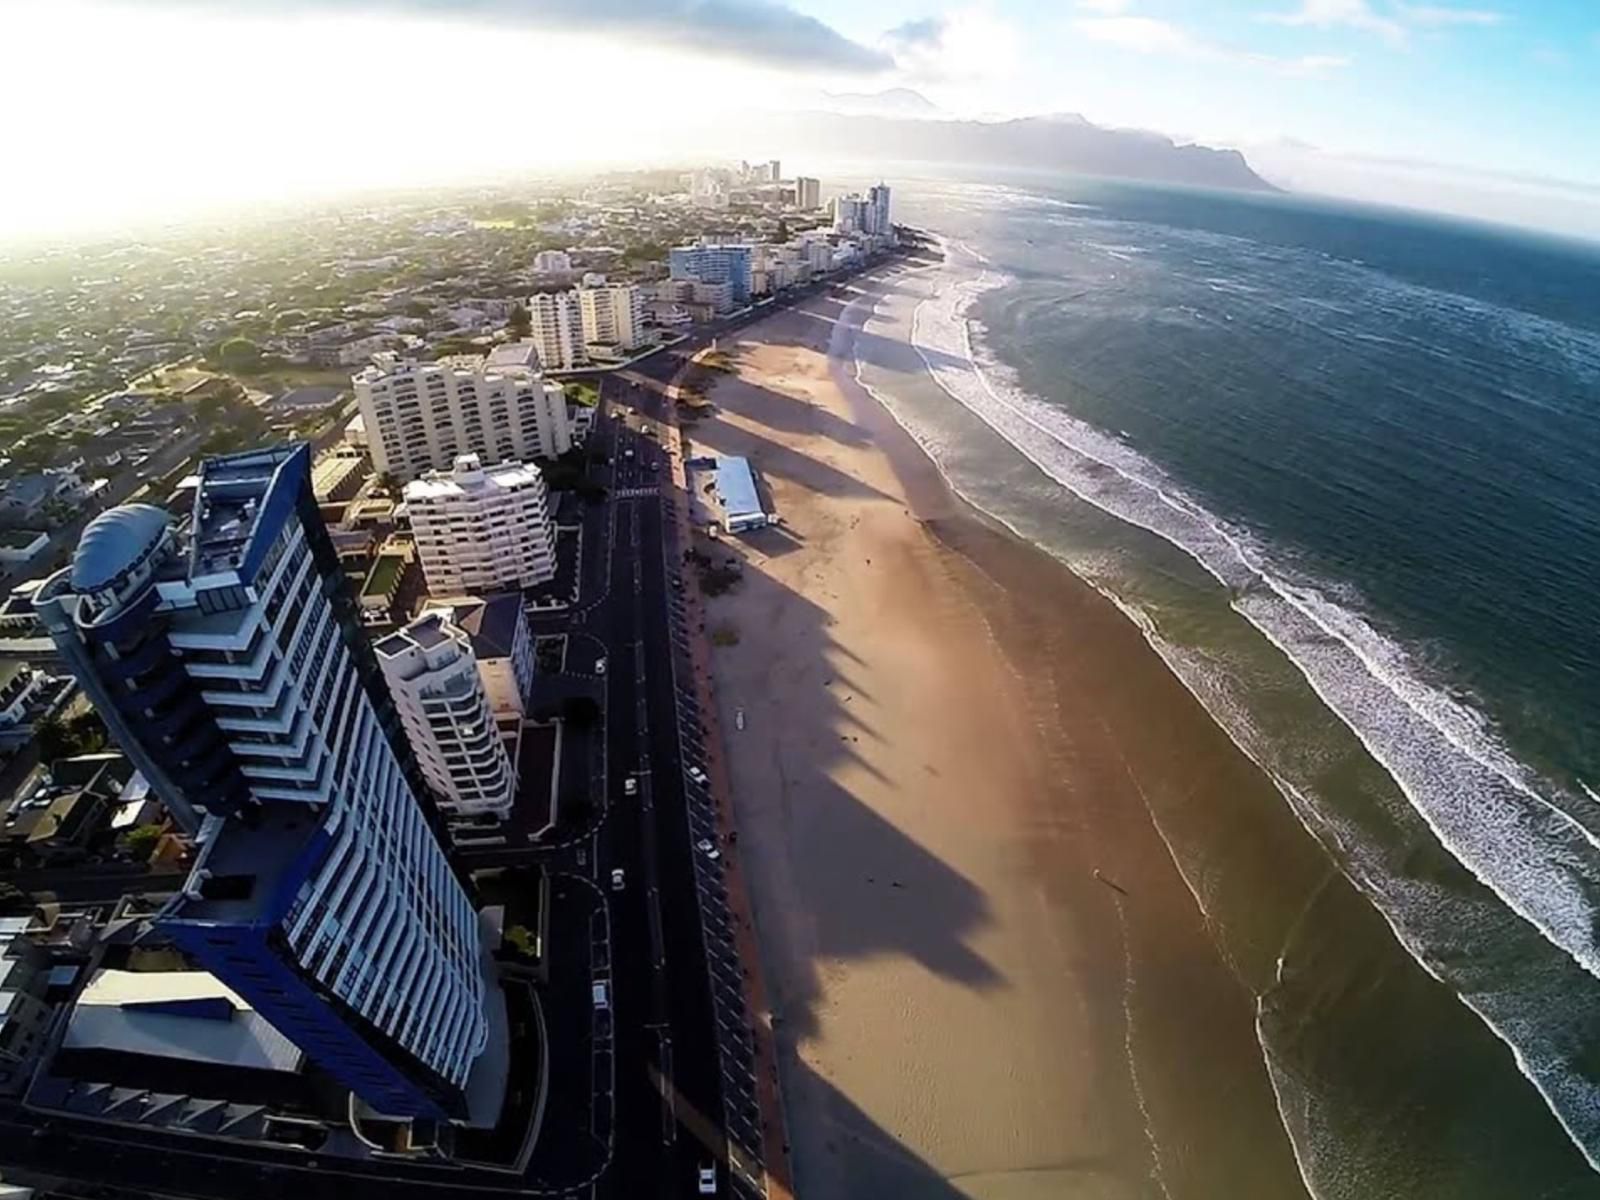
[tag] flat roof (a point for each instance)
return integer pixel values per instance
(189, 1015)
(736, 487)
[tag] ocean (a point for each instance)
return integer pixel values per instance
(1342, 467)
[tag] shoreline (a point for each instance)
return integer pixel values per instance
(1384, 677)
(1077, 1104)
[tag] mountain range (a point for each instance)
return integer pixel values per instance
(1061, 142)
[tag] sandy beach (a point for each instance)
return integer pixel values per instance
(986, 977)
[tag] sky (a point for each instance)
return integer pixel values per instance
(163, 107)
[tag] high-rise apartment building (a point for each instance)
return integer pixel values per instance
(552, 262)
(227, 661)
(557, 329)
(849, 214)
(482, 529)
(433, 676)
(876, 215)
(612, 314)
(807, 192)
(714, 264)
(420, 416)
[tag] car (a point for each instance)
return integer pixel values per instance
(599, 666)
(708, 1180)
(601, 993)
(677, 582)
(709, 848)
(696, 774)
(630, 786)
(616, 879)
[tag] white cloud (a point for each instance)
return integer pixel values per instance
(1149, 35)
(1109, 8)
(963, 44)
(1331, 14)
(1435, 16)
(1394, 28)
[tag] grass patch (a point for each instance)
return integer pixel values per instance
(582, 391)
(385, 575)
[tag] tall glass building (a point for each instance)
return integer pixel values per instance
(227, 661)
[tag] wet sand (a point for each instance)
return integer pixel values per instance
(987, 978)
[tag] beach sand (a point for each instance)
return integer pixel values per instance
(987, 978)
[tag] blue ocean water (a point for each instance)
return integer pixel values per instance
(1343, 467)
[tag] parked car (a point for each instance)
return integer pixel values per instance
(708, 1180)
(630, 786)
(696, 774)
(602, 996)
(616, 879)
(707, 847)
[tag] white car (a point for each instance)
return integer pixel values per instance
(708, 1181)
(599, 666)
(696, 774)
(630, 786)
(616, 879)
(602, 996)
(707, 847)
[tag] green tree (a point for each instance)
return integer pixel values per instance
(521, 322)
(239, 354)
(520, 939)
(140, 842)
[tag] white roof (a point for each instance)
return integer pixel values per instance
(176, 1014)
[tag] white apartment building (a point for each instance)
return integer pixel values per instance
(434, 680)
(482, 529)
(552, 262)
(612, 314)
(557, 329)
(420, 416)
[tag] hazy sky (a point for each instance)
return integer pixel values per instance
(167, 105)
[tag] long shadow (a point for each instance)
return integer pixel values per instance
(713, 434)
(834, 883)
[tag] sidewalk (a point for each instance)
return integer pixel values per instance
(775, 1135)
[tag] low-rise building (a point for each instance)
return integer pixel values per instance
(482, 529)
(19, 685)
(18, 546)
(736, 495)
(433, 677)
(338, 475)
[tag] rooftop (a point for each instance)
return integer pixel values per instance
(736, 486)
(176, 1014)
(469, 477)
(425, 633)
(233, 492)
(491, 624)
(114, 542)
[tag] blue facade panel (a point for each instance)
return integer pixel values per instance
(243, 955)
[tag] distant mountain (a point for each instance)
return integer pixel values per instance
(1063, 141)
(895, 102)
